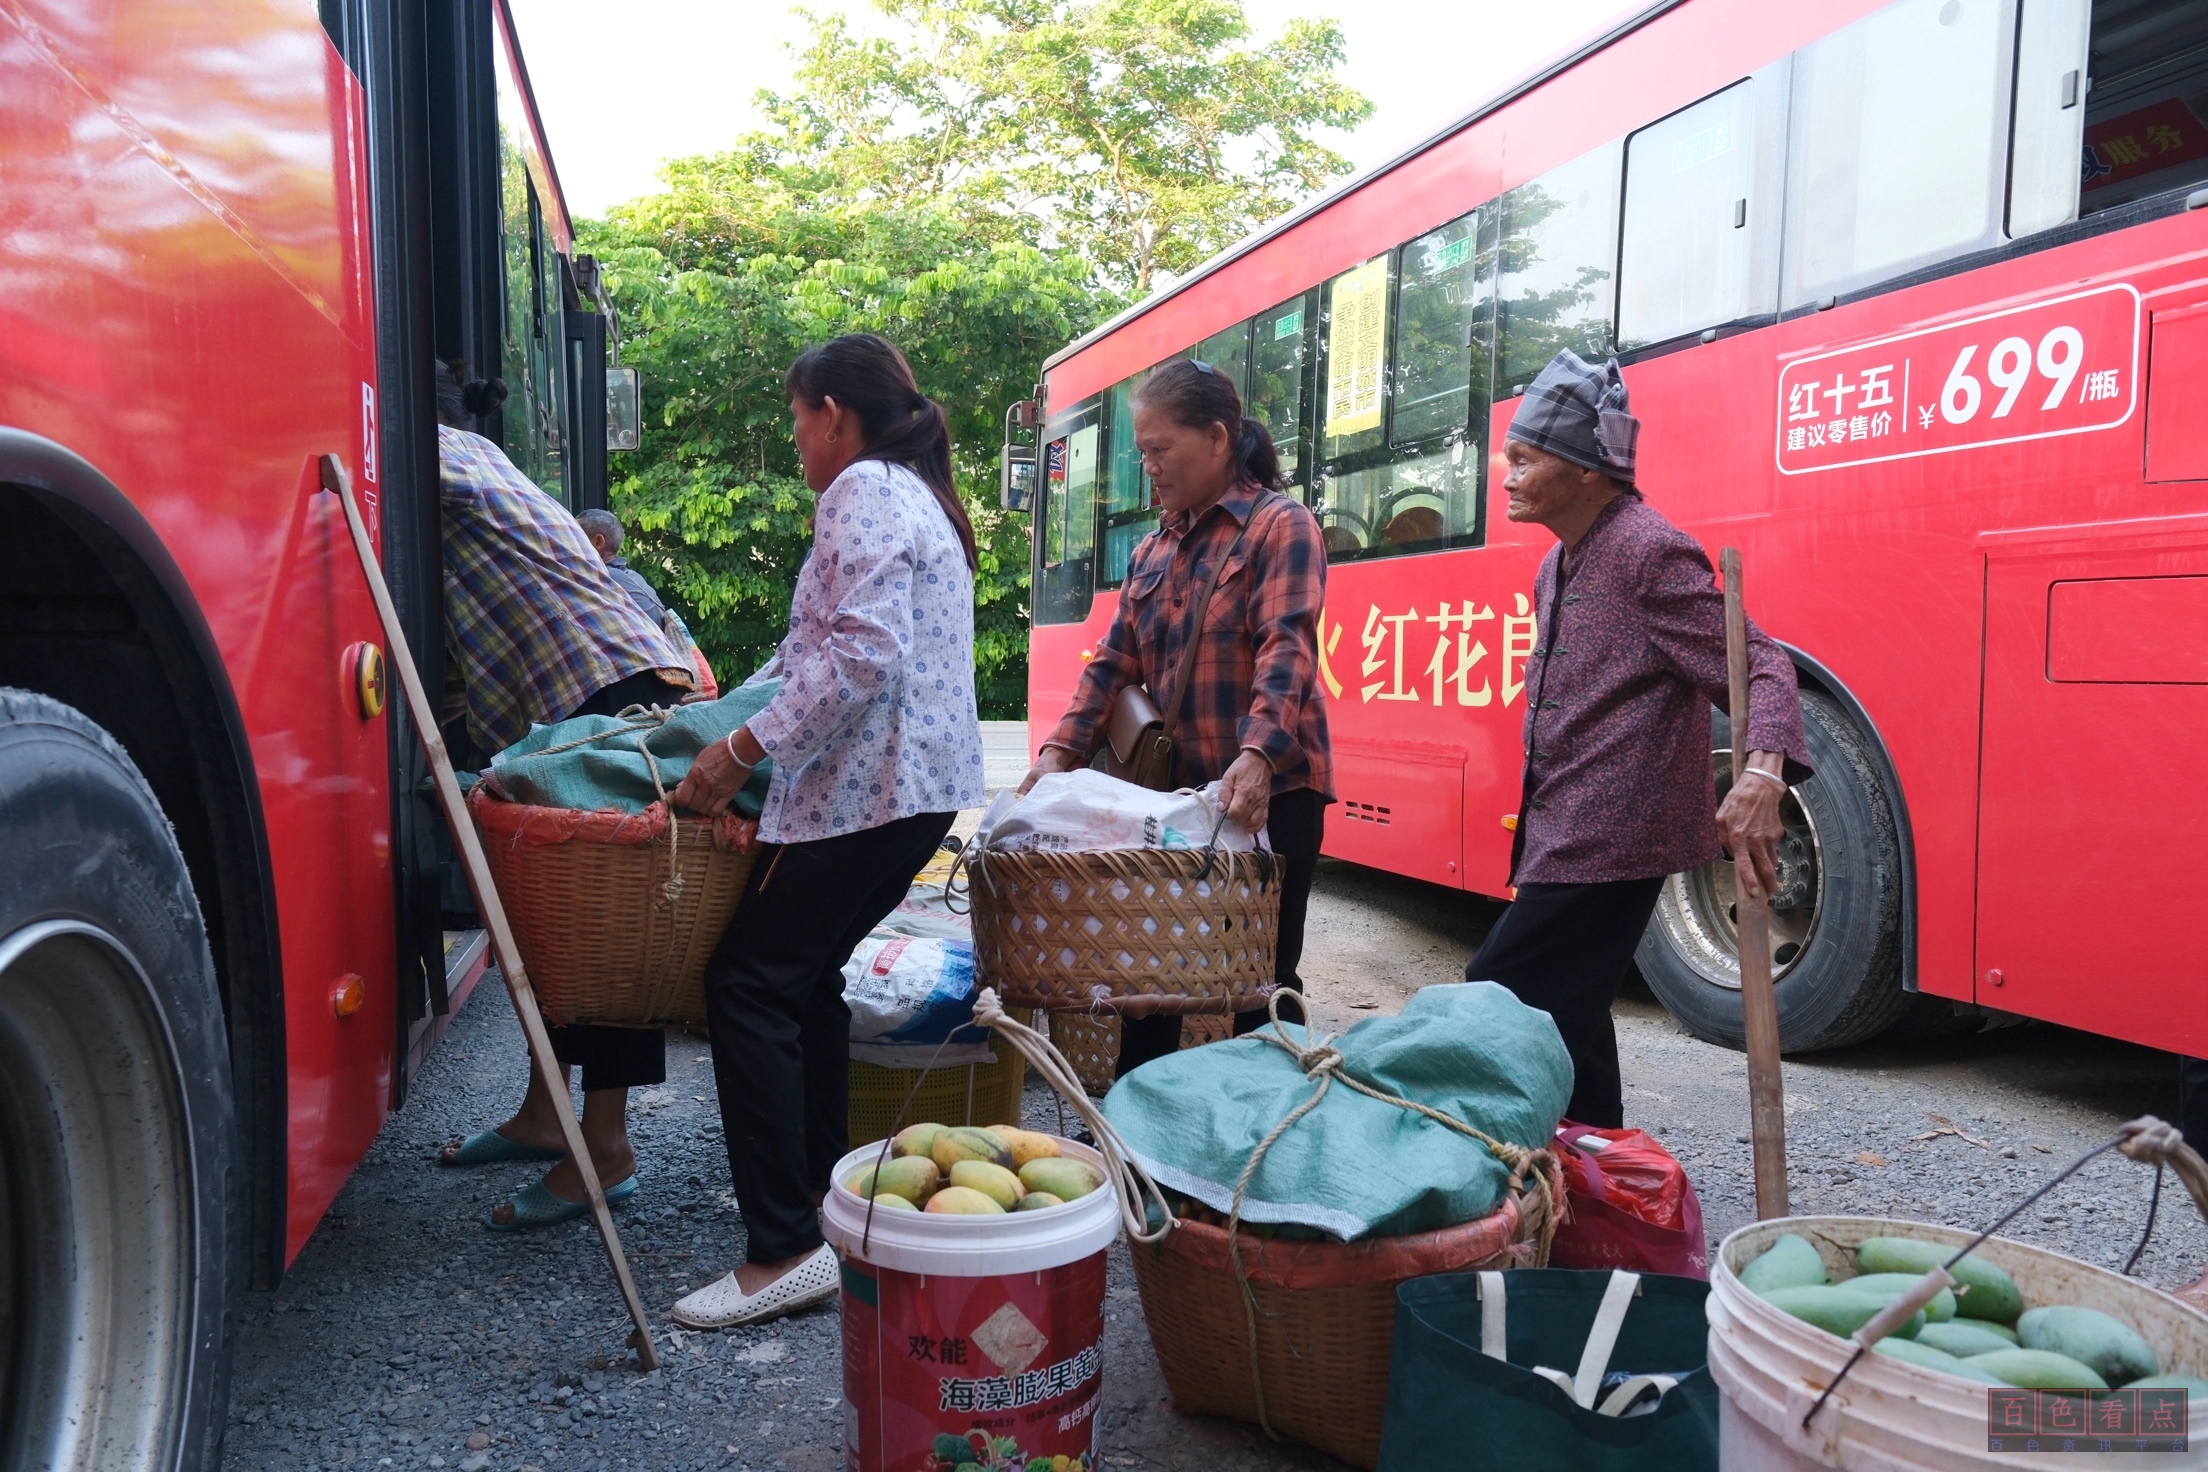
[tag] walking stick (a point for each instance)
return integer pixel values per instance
(1759, 1005)
(335, 480)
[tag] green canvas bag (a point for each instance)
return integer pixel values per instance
(1517, 1369)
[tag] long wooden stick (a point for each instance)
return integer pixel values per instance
(503, 949)
(1759, 1004)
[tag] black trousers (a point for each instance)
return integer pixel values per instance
(781, 1031)
(2192, 1101)
(1295, 823)
(1564, 948)
(618, 1057)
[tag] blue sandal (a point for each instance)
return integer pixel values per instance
(535, 1206)
(489, 1147)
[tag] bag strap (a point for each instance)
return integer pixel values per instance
(1493, 1325)
(1187, 671)
(1594, 1360)
(1590, 1161)
(1602, 1338)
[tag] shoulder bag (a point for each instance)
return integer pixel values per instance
(1138, 744)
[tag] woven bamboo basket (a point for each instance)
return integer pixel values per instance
(615, 913)
(1325, 1316)
(1187, 931)
(1090, 1042)
(959, 1093)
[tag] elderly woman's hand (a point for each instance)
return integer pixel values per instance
(1050, 759)
(1246, 791)
(1748, 820)
(718, 774)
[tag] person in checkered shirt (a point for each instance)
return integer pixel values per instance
(1254, 719)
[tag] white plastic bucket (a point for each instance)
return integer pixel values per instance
(1888, 1416)
(972, 1327)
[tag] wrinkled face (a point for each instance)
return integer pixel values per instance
(1187, 467)
(1543, 487)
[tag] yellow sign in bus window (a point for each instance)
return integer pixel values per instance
(1357, 349)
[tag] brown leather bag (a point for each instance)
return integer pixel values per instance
(1138, 738)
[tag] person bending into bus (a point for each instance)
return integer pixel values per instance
(606, 536)
(876, 743)
(1254, 720)
(540, 632)
(1628, 661)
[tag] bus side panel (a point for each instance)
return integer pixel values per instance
(1056, 657)
(177, 311)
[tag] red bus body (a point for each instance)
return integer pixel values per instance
(2019, 620)
(190, 309)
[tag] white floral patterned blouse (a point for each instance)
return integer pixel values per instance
(876, 718)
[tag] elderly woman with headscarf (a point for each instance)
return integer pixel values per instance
(1629, 659)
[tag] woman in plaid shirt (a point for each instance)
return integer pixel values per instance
(1254, 719)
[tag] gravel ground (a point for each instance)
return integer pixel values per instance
(408, 1336)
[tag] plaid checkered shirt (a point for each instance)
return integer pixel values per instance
(534, 620)
(1256, 681)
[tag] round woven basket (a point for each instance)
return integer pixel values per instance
(952, 1093)
(1134, 930)
(615, 913)
(1325, 1317)
(1090, 1042)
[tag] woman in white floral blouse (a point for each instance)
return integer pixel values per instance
(876, 746)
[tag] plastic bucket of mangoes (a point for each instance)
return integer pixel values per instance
(981, 1330)
(1891, 1415)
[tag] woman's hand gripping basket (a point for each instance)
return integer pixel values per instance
(615, 913)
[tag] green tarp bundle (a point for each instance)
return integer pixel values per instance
(1356, 1166)
(546, 768)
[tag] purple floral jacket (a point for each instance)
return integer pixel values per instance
(1628, 663)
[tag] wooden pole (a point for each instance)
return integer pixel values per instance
(503, 949)
(1759, 1005)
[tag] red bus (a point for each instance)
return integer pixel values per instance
(232, 237)
(1938, 381)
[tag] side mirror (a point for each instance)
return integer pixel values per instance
(624, 409)
(1016, 478)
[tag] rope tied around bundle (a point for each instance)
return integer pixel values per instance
(644, 719)
(1321, 1060)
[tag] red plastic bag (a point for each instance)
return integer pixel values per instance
(1631, 1206)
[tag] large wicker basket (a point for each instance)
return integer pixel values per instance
(957, 1093)
(1140, 930)
(1090, 1042)
(1325, 1317)
(615, 913)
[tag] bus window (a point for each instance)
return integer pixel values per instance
(1435, 304)
(1279, 355)
(1694, 248)
(1229, 352)
(1128, 515)
(1898, 151)
(2047, 137)
(1065, 521)
(1353, 313)
(1559, 259)
(2146, 113)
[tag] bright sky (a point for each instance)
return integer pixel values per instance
(624, 87)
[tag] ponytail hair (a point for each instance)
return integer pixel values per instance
(866, 374)
(462, 398)
(1198, 396)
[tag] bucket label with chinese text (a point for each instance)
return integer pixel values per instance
(987, 1372)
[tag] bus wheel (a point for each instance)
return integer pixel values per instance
(1835, 920)
(120, 1245)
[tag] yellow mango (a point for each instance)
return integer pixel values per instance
(954, 1145)
(992, 1181)
(1066, 1179)
(1026, 1145)
(915, 1139)
(962, 1201)
(1038, 1201)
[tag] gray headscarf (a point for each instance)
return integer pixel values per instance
(1578, 412)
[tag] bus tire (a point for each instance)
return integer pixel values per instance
(1838, 906)
(122, 1243)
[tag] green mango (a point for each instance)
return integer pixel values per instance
(1789, 1262)
(1836, 1310)
(1892, 1285)
(2195, 1388)
(2038, 1369)
(2110, 1346)
(1983, 1290)
(1924, 1356)
(1965, 1337)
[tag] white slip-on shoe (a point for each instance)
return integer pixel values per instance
(721, 1304)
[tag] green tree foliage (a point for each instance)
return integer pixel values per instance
(981, 190)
